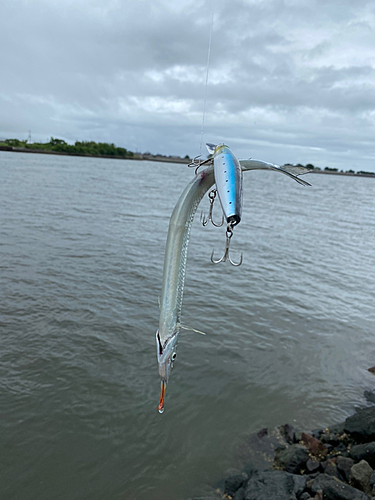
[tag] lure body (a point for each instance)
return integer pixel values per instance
(228, 180)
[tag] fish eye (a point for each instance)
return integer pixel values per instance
(174, 356)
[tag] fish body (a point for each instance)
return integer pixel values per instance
(174, 273)
(226, 171)
(228, 180)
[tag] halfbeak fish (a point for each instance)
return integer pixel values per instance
(174, 274)
(179, 235)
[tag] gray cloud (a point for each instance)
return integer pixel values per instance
(289, 81)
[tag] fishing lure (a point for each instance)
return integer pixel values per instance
(228, 180)
(226, 171)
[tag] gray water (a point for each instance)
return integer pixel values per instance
(290, 333)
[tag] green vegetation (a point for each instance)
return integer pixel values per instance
(81, 148)
(363, 172)
(331, 169)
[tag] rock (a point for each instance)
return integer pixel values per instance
(364, 452)
(342, 450)
(317, 433)
(240, 494)
(361, 425)
(234, 483)
(372, 483)
(370, 396)
(333, 489)
(292, 459)
(258, 451)
(305, 496)
(360, 476)
(315, 447)
(344, 465)
(372, 478)
(297, 436)
(287, 431)
(337, 429)
(332, 470)
(312, 465)
(330, 438)
(372, 369)
(275, 485)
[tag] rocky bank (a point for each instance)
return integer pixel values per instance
(336, 463)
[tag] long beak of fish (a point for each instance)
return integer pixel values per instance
(162, 395)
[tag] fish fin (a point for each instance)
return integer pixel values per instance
(286, 172)
(191, 329)
(291, 171)
(251, 164)
(210, 148)
(159, 302)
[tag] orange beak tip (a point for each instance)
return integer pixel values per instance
(162, 396)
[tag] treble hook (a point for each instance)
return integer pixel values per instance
(204, 221)
(198, 163)
(226, 257)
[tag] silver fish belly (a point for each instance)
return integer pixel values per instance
(174, 273)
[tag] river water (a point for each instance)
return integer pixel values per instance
(290, 333)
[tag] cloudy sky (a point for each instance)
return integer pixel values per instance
(289, 80)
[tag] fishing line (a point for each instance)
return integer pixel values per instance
(207, 73)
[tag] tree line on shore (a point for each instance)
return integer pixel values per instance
(80, 147)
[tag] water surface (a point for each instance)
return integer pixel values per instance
(290, 333)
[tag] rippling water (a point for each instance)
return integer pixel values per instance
(290, 333)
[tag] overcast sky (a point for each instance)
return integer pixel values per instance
(289, 81)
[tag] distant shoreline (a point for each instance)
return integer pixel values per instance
(135, 156)
(149, 157)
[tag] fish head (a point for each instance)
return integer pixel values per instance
(166, 354)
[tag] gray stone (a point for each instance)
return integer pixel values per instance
(293, 459)
(337, 429)
(305, 496)
(258, 450)
(287, 431)
(275, 485)
(364, 452)
(333, 489)
(361, 425)
(342, 450)
(233, 483)
(312, 465)
(360, 476)
(332, 470)
(344, 464)
(330, 438)
(240, 494)
(370, 396)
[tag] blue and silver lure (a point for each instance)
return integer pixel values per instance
(228, 180)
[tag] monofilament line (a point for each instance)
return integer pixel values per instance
(207, 72)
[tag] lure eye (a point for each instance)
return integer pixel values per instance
(174, 356)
